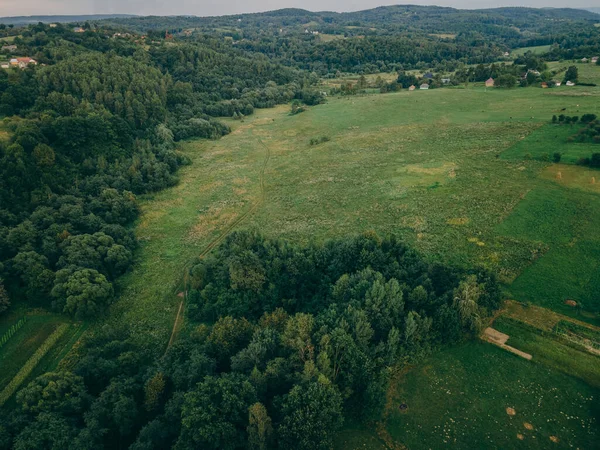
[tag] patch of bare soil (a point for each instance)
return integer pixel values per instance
(511, 411)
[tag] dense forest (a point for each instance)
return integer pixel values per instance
(284, 343)
(389, 38)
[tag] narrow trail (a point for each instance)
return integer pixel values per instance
(221, 237)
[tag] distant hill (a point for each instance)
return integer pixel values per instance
(594, 10)
(26, 20)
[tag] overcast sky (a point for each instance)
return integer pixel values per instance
(219, 7)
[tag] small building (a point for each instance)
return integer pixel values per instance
(78, 30)
(412, 88)
(53, 25)
(595, 60)
(506, 54)
(558, 83)
(545, 85)
(9, 48)
(570, 83)
(445, 80)
(428, 76)
(5, 65)
(424, 86)
(584, 60)
(489, 82)
(22, 63)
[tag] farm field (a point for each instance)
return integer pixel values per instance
(40, 341)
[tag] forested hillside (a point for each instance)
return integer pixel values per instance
(397, 37)
(91, 127)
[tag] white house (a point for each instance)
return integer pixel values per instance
(424, 86)
(570, 83)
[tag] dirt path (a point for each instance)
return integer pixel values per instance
(221, 237)
(497, 338)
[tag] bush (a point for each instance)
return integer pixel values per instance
(320, 140)
(587, 118)
(556, 157)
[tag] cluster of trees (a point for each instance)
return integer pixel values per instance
(284, 343)
(590, 132)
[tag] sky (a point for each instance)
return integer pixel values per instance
(220, 7)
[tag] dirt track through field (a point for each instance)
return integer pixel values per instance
(221, 237)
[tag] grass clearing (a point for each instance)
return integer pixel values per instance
(536, 50)
(547, 349)
(549, 139)
(460, 396)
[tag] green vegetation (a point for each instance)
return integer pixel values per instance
(11, 331)
(548, 349)
(536, 50)
(197, 333)
(31, 363)
(549, 139)
(460, 397)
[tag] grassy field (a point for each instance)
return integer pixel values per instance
(537, 50)
(425, 165)
(549, 351)
(459, 399)
(549, 139)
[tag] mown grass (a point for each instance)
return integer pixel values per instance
(549, 350)
(536, 50)
(458, 399)
(566, 221)
(549, 139)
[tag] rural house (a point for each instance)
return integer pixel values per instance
(570, 83)
(412, 88)
(595, 60)
(489, 82)
(544, 85)
(22, 63)
(424, 86)
(445, 80)
(78, 30)
(558, 83)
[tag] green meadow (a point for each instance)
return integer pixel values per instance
(459, 399)
(430, 166)
(537, 50)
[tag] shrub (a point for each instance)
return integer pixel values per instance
(556, 157)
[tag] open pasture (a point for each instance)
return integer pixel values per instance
(425, 165)
(459, 399)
